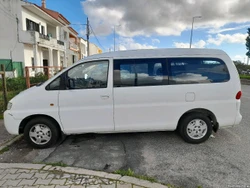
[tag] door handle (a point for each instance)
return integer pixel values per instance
(104, 96)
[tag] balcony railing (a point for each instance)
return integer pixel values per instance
(73, 46)
(60, 42)
(42, 36)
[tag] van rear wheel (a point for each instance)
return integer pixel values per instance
(41, 133)
(195, 128)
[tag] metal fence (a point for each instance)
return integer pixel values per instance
(5, 100)
(43, 72)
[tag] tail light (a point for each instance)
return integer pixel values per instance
(238, 95)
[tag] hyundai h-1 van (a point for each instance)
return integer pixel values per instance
(193, 91)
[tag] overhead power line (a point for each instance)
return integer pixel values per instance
(96, 37)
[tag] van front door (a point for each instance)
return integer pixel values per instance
(86, 105)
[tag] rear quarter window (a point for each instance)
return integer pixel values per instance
(197, 70)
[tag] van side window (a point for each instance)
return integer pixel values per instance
(89, 75)
(54, 85)
(197, 70)
(140, 72)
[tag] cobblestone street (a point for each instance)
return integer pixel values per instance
(45, 176)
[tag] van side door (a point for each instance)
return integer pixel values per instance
(141, 94)
(86, 104)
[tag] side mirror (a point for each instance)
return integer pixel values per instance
(71, 83)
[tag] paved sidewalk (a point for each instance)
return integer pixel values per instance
(21, 175)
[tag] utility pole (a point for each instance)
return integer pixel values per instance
(191, 35)
(115, 34)
(4, 86)
(114, 37)
(87, 36)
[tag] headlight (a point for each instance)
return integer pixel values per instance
(9, 106)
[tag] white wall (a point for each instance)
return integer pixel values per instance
(58, 33)
(35, 18)
(52, 30)
(56, 58)
(83, 44)
(46, 54)
(93, 49)
(28, 54)
(8, 30)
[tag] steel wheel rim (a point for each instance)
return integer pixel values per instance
(197, 129)
(40, 134)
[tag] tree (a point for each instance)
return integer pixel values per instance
(248, 43)
(241, 67)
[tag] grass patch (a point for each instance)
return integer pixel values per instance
(1, 116)
(171, 186)
(5, 149)
(131, 173)
(242, 76)
(57, 164)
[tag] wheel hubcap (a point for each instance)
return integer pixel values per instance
(197, 129)
(40, 134)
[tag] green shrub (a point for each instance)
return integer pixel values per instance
(39, 77)
(19, 84)
(16, 85)
(242, 76)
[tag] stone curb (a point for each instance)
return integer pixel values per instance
(74, 170)
(10, 142)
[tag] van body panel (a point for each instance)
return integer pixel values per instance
(128, 109)
(160, 107)
(35, 101)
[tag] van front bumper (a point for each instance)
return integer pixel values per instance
(11, 124)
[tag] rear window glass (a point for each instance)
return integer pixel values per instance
(197, 70)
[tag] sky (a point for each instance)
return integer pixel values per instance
(144, 24)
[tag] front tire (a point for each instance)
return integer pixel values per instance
(41, 133)
(195, 128)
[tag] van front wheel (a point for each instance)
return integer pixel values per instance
(41, 133)
(195, 128)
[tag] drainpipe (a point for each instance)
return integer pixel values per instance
(35, 48)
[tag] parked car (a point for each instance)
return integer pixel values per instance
(194, 91)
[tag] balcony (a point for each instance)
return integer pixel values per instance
(60, 42)
(47, 41)
(42, 40)
(42, 36)
(73, 46)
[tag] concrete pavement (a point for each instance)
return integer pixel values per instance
(5, 136)
(20, 175)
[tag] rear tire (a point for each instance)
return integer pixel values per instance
(195, 128)
(41, 132)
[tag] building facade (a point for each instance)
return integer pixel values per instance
(94, 49)
(35, 36)
(83, 48)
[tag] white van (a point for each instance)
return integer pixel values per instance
(195, 91)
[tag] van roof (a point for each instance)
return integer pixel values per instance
(159, 52)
